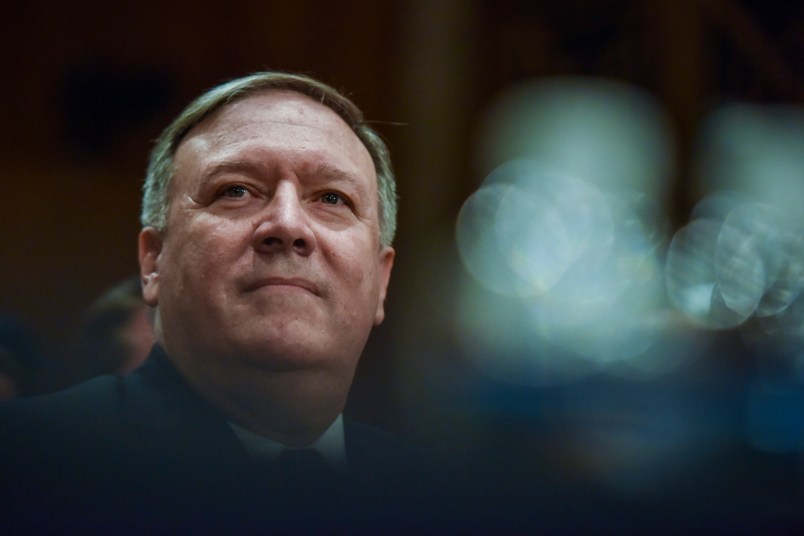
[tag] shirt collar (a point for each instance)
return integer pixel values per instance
(331, 444)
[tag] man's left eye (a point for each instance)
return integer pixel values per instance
(237, 190)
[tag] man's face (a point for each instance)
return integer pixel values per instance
(271, 255)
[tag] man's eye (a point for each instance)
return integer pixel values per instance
(331, 198)
(235, 191)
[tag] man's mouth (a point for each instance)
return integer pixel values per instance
(285, 283)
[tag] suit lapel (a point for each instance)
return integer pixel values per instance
(170, 420)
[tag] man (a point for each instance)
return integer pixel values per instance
(268, 215)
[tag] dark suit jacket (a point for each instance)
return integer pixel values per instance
(144, 451)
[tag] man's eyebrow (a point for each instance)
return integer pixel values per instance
(330, 172)
(327, 174)
(228, 166)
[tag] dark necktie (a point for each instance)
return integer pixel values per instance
(298, 489)
(304, 465)
(304, 474)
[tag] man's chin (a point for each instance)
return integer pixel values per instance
(281, 356)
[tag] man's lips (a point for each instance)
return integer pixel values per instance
(290, 282)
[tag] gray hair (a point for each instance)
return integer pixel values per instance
(155, 201)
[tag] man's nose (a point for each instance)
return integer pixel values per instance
(284, 224)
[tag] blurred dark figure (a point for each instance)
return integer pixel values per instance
(20, 360)
(116, 334)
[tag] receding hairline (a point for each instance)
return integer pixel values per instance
(336, 103)
(213, 113)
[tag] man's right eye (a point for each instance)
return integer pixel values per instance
(235, 191)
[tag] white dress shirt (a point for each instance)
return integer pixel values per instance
(331, 444)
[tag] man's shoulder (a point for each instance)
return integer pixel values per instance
(149, 405)
(111, 444)
(79, 409)
(50, 444)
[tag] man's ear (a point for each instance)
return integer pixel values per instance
(149, 250)
(386, 262)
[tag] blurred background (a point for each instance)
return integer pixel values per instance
(599, 263)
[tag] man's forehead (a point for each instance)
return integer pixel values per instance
(280, 106)
(279, 116)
